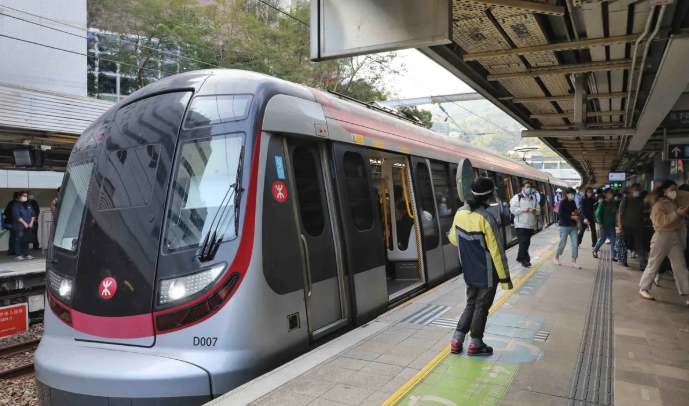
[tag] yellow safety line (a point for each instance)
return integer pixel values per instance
(416, 379)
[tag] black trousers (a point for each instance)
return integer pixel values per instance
(35, 235)
(475, 315)
(634, 237)
(594, 236)
(524, 239)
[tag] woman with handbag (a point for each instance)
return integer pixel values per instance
(24, 217)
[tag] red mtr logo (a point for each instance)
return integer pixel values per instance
(108, 287)
(279, 191)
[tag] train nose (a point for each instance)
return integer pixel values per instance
(68, 374)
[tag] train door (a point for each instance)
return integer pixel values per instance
(362, 231)
(504, 192)
(446, 206)
(514, 190)
(428, 219)
(306, 174)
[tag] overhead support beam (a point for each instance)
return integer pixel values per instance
(433, 99)
(588, 67)
(565, 46)
(578, 133)
(567, 97)
(540, 8)
(573, 114)
(579, 106)
(589, 125)
(670, 81)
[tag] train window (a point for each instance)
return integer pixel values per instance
(209, 110)
(207, 170)
(308, 191)
(455, 194)
(443, 197)
(129, 177)
(429, 224)
(404, 224)
(358, 190)
(72, 205)
(501, 184)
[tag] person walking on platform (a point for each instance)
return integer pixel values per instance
(525, 210)
(606, 217)
(588, 217)
(37, 211)
(478, 237)
(631, 221)
(569, 215)
(24, 219)
(669, 239)
(9, 223)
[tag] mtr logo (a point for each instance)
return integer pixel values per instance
(107, 288)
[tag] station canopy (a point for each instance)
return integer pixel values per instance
(600, 82)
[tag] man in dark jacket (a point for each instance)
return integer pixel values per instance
(36, 211)
(606, 217)
(588, 216)
(631, 220)
(9, 223)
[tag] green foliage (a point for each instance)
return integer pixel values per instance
(238, 34)
(425, 116)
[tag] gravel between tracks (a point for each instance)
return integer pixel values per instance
(20, 391)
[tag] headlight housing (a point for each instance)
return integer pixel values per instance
(61, 286)
(175, 289)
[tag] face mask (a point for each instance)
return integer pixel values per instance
(22, 199)
(31, 197)
(636, 194)
(671, 195)
(527, 190)
(617, 198)
(589, 194)
(571, 197)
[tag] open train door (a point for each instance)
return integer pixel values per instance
(363, 233)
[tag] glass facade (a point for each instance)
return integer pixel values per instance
(113, 61)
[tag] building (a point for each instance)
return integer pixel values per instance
(441, 127)
(555, 166)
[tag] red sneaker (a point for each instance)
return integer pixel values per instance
(483, 350)
(456, 347)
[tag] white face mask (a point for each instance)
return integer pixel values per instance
(671, 195)
(22, 199)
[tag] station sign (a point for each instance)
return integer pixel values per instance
(676, 119)
(14, 319)
(676, 151)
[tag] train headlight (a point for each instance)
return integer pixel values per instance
(178, 288)
(61, 286)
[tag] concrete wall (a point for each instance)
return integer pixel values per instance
(31, 65)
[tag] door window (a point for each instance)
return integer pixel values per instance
(72, 205)
(204, 184)
(308, 191)
(443, 198)
(358, 190)
(404, 223)
(429, 223)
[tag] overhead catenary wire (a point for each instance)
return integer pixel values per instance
(283, 12)
(82, 54)
(123, 37)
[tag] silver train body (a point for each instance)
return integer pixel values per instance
(217, 224)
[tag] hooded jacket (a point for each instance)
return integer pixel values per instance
(479, 241)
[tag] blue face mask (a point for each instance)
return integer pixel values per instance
(636, 194)
(571, 197)
(617, 198)
(527, 190)
(30, 197)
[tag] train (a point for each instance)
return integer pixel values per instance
(216, 224)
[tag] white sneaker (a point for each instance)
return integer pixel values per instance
(19, 258)
(575, 265)
(556, 261)
(28, 257)
(644, 294)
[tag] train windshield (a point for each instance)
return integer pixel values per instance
(72, 205)
(206, 174)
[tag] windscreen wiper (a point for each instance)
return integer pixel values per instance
(211, 241)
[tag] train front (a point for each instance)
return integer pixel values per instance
(152, 239)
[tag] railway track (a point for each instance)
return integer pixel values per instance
(21, 370)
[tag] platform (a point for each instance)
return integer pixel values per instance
(563, 336)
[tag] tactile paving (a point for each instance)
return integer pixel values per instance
(593, 374)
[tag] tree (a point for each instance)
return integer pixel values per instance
(425, 116)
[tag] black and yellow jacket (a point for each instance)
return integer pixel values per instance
(481, 251)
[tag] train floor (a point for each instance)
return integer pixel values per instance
(563, 336)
